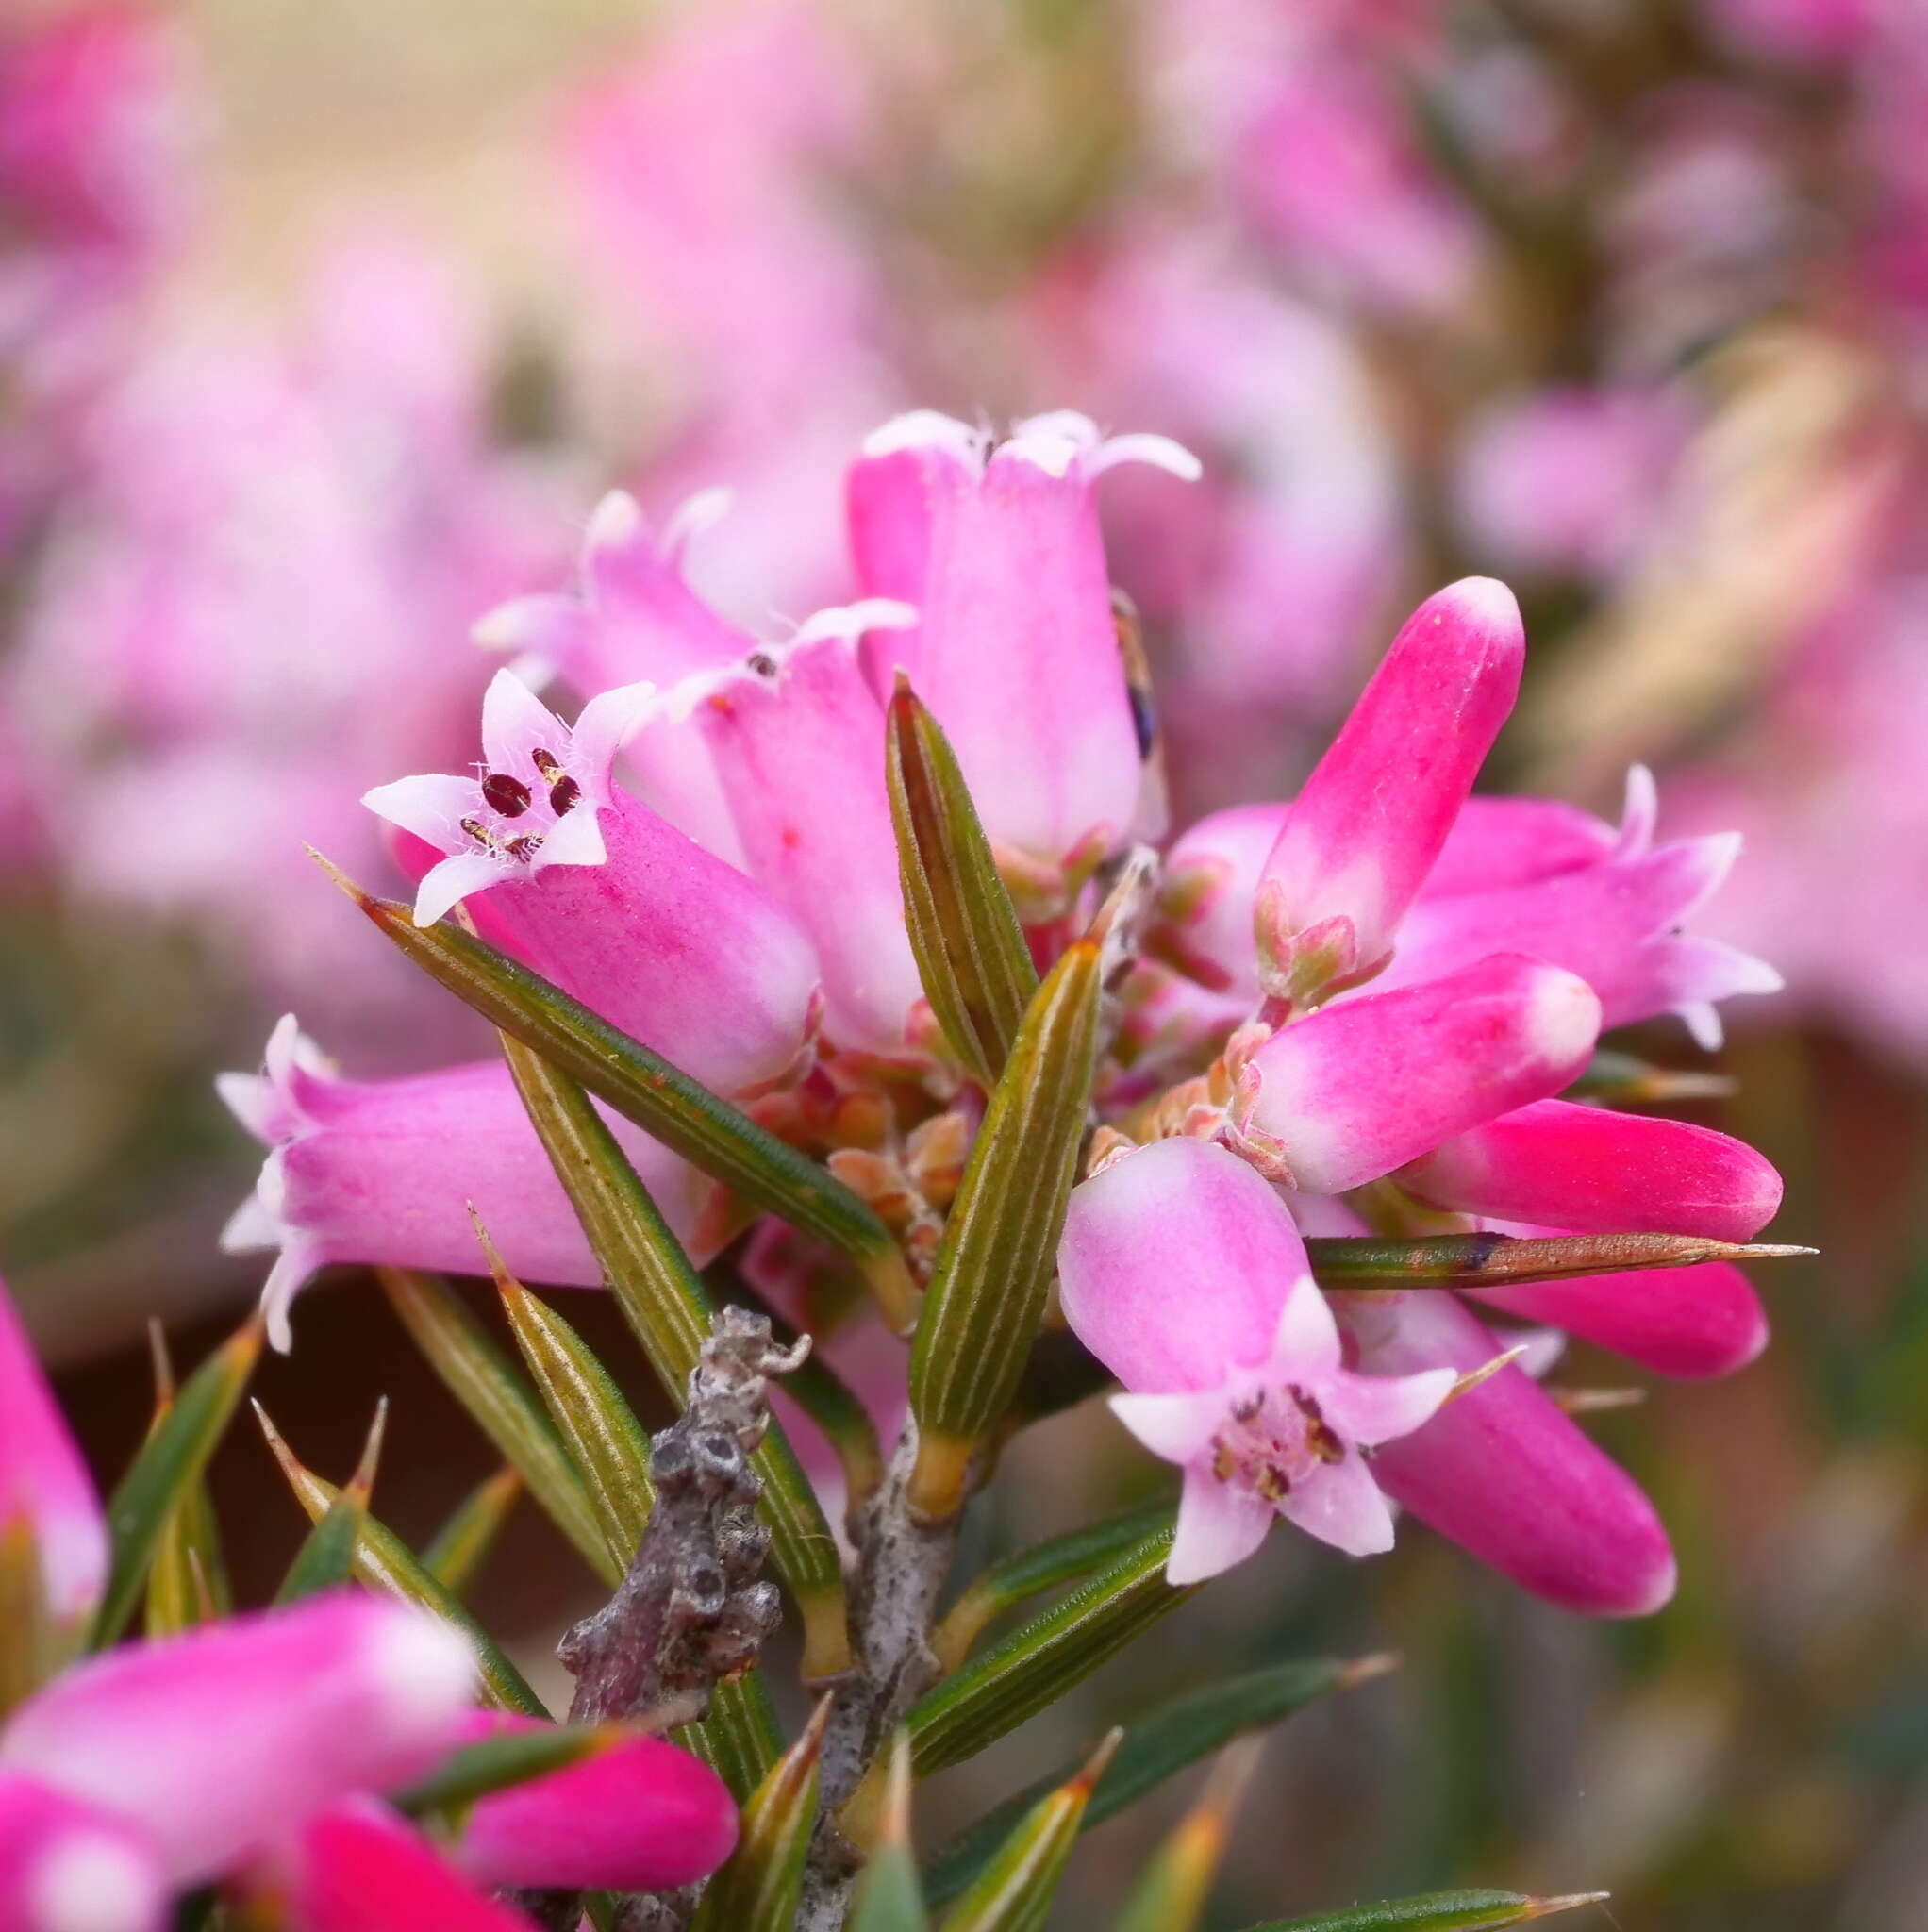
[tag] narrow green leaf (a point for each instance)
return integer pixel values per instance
(1064, 1559)
(758, 1890)
(385, 1562)
(169, 1462)
(483, 1379)
(1000, 1245)
(1484, 1260)
(32, 1649)
(513, 1758)
(1619, 1079)
(645, 1088)
(1040, 1660)
(326, 1559)
(669, 1311)
(1171, 1893)
(186, 1582)
(1159, 1745)
(890, 1895)
(601, 1431)
(1014, 1892)
(462, 1543)
(740, 1739)
(1437, 1911)
(970, 954)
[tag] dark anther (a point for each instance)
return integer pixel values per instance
(547, 762)
(507, 795)
(478, 831)
(762, 664)
(563, 793)
(525, 845)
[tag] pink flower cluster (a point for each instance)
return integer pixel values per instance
(1359, 1007)
(254, 1751)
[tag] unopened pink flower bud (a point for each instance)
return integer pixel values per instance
(1365, 1086)
(217, 1742)
(358, 1868)
(43, 1482)
(996, 545)
(65, 1867)
(1591, 1171)
(1182, 1271)
(384, 1171)
(564, 870)
(1363, 834)
(1504, 1472)
(797, 734)
(641, 1816)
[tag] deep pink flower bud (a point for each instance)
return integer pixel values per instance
(358, 1868)
(67, 1868)
(1694, 1322)
(1595, 1171)
(1615, 924)
(642, 1817)
(44, 1483)
(384, 1170)
(798, 738)
(564, 870)
(1506, 1473)
(1355, 1090)
(1373, 817)
(1182, 1271)
(216, 1742)
(997, 546)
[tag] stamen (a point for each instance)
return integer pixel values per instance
(563, 793)
(505, 795)
(525, 845)
(547, 762)
(480, 833)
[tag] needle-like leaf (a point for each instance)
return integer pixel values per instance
(758, 1890)
(1486, 1260)
(461, 1546)
(1439, 1911)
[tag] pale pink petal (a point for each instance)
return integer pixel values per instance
(599, 733)
(576, 839)
(1175, 1427)
(1176, 1266)
(1218, 1526)
(432, 806)
(1370, 1410)
(515, 723)
(445, 886)
(550, 626)
(1307, 1342)
(1341, 1505)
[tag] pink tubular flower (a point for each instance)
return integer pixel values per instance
(384, 1170)
(641, 1817)
(1015, 648)
(797, 734)
(1503, 1472)
(1373, 816)
(215, 1743)
(1616, 923)
(44, 1484)
(1593, 1171)
(1693, 1323)
(1351, 1091)
(1182, 1271)
(66, 1868)
(358, 1868)
(563, 869)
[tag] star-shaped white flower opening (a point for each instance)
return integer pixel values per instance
(533, 801)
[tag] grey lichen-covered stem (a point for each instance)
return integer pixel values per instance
(694, 1607)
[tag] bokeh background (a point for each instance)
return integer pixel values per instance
(322, 328)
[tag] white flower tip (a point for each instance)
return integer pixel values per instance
(91, 1881)
(925, 429)
(697, 513)
(1563, 1016)
(615, 524)
(423, 1669)
(851, 621)
(250, 1098)
(1485, 604)
(1639, 813)
(510, 626)
(1160, 452)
